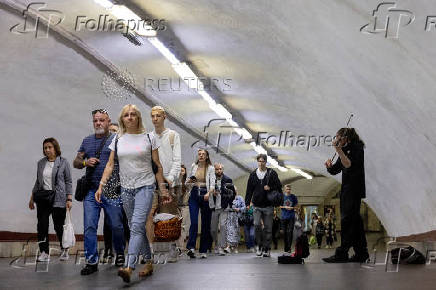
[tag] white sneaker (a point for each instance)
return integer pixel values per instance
(235, 250)
(203, 256)
(64, 256)
(217, 251)
(227, 250)
(191, 253)
(221, 252)
(251, 250)
(258, 251)
(43, 257)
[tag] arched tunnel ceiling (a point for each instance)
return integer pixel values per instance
(298, 66)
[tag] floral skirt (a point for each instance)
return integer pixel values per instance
(232, 232)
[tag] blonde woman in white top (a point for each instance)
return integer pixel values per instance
(135, 151)
(202, 177)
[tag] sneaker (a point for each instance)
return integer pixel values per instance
(251, 250)
(89, 269)
(119, 261)
(43, 257)
(221, 252)
(227, 250)
(191, 253)
(335, 259)
(203, 256)
(258, 251)
(266, 253)
(235, 250)
(359, 259)
(217, 251)
(64, 256)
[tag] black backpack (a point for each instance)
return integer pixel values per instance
(304, 242)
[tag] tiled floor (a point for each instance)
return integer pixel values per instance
(236, 271)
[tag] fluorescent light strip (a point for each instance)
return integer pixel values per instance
(105, 3)
(164, 50)
(302, 173)
(184, 71)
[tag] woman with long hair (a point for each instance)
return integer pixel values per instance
(136, 150)
(202, 179)
(52, 193)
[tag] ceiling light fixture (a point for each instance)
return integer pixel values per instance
(184, 71)
(164, 50)
(105, 3)
(302, 173)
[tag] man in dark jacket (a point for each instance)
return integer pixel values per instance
(351, 163)
(222, 198)
(261, 181)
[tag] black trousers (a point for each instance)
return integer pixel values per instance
(288, 231)
(43, 212)
(107, 232)
(275, 232)
(319, 239)
(352, 230)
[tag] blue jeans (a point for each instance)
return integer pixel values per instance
(137, 205)
(196, 204)
(91, 216)
(249, 235)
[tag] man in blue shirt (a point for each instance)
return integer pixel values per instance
(288, 216)
(86, 157)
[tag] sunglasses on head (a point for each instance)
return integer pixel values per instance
(102, 111)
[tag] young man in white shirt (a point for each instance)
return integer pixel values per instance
(170, 158)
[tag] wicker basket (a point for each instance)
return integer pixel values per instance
(167, 231)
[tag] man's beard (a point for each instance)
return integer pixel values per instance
(99, 131)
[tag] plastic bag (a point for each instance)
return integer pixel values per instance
(68, 237)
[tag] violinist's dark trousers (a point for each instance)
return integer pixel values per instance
(352, 231)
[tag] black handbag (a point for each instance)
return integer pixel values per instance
(84, 183)
(153, 165)
(274, 197)
(112, 189)
(45, 196)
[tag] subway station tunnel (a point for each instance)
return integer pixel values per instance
(240, 78)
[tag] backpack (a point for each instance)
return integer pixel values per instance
(302, 247)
